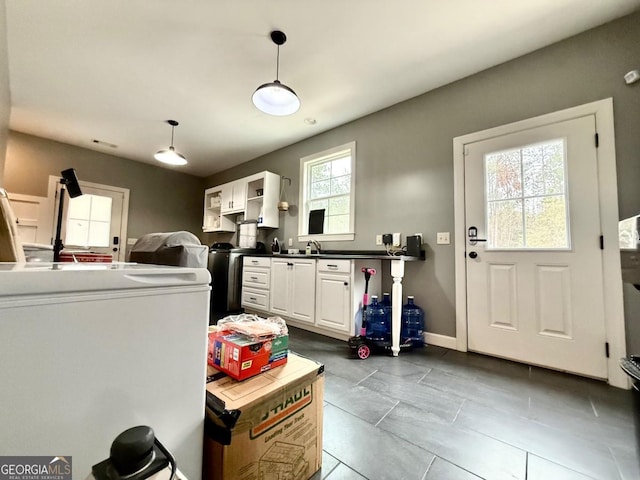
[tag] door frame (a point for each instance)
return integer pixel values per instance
(53, 204)
(608, 199)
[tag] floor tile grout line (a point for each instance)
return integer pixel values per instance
(424, 477)
(333, 469)
(459, 410)
(527, 452)
(362, 380)
(422, 377)
(615, 461)
(385, 415)
(595, 412)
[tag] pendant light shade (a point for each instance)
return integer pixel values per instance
(169, 155)
(276, 98)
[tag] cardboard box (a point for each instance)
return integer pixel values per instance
(266, 427)
(241, 358)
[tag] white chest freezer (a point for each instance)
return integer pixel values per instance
(89, 350)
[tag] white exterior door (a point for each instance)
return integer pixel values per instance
(96, 220)
(533, 255)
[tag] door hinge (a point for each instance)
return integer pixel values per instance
(601, 242)
(597, 141)
(606, 349)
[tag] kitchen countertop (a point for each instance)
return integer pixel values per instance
(345, 255)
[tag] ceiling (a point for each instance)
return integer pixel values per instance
(114, 71)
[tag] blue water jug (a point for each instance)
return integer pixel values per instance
(377, 327)
(386, 304)
(412, 323)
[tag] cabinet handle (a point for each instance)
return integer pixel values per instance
(254, 299)
(254, 278)
(332, 266)
(346, 284)
(255, 262)
(289, 264)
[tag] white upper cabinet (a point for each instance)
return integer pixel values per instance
(234, 196)
(262, 199)
(255, 196)
(213, 220)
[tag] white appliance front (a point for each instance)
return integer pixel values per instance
(91, 350)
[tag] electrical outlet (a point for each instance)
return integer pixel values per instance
(387, 238)
(396, 240)
(290, 243)
(378, 239)
(443, 238)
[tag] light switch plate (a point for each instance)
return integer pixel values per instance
(443, 238)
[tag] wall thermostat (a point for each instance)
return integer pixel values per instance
(632, 77)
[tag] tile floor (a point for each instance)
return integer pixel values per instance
(438, 414)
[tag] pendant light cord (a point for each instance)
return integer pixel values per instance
(172, 128)
(283, 194)
(278, 64)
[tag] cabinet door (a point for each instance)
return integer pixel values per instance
(303, 284)
(333, 300)
(226, 195)
(239, 199)
(279, 292)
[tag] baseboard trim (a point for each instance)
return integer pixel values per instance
(440, 340)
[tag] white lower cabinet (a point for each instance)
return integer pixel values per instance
(333, 295)
(292, 290)
(256, 279)
(323, 295)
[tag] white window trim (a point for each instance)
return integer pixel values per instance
(303, 224)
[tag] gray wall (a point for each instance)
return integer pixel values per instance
(160, 200)
(405, 154)
(5, 95)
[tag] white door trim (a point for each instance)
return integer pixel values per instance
(608, 193)
(51, 195)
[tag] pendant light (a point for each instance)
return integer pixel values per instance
(283, 205)
(276, 98)
(169, 155)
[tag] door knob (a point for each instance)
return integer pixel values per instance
(473, 255)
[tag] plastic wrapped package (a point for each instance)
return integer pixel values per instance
(180, 249)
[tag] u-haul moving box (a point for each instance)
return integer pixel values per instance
(266, 427)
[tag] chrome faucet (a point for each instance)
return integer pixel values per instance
(317, 245)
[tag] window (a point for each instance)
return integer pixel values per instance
(527, 204)
(89, 221)
(328, 183)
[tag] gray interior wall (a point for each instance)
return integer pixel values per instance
(160, 200)
(5, 96)
(405, 153)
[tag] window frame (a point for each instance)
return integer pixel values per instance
(523, 197)
(303, 201)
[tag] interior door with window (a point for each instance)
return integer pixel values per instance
(533, 257)
(96, 220)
